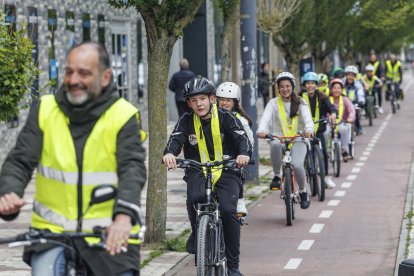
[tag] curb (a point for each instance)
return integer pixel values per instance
(402, 245)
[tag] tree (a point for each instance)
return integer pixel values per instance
(164, 22)
(271, 18)
(230, 10)
(17, 69)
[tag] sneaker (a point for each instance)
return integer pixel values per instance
(241, 208)
(380, 110)
(234, 271)
(359, 131)
(345, 156)
(329, 184)
(275, 184)
(304, 200)
(191, 243)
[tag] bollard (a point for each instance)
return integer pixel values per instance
(406, 268)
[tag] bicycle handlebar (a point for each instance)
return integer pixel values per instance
(36, 237)
(189, 163)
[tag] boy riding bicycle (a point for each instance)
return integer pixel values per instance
(207, 134)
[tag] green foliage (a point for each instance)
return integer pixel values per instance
(17, 70)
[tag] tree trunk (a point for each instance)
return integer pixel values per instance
(226, 43)
(159, 53)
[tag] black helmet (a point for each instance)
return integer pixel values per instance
(198, 85)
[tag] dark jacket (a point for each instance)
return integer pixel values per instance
(264, 83)
(234, 138)
(24, 157)
(178, 81)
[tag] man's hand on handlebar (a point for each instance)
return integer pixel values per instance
(261, 135)
(242, 160)
(308, 134)
(332, 118)
(118, 234)
(169, 161)
(10, 204)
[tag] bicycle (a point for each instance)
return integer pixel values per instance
(289, 188)
(315, 168)
(372, 105)
(210, 254)
(334, 151)
(392, 90)
(74, 265)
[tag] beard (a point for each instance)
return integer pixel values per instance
(89, 94)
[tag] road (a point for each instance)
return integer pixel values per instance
(356, 230)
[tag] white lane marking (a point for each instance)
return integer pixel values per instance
(316, 228)
(333, 202)
(351, 177)
(293, 263)
(363, 158)
(326, 214)
(368, 149)
(366, 153)
(371, 145)
(346, 185)
(359, 164)
(340, 193)
(376, 136)
(355, 170)
(306, 244)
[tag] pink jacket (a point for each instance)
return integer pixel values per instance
(349, 110)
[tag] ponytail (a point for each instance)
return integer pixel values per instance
(243, 113)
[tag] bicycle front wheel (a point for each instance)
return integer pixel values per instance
(220, 254)
(319, 177)
(337, 159)
(205, 243)
(288, 196)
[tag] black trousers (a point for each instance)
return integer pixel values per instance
(227, 190)
(321, 136)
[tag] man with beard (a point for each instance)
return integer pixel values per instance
(78, 139)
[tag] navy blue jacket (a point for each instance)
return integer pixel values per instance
(178, 81)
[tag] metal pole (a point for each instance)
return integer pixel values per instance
(248, 38)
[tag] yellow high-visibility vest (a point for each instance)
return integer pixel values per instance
(393, 70)
(55, 204)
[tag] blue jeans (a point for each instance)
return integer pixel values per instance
(52, 263)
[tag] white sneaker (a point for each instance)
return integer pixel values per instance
(241, 208)
(380, 110)
(329, 182)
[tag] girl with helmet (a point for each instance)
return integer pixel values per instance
(320, 107)
(346, 114)
(228, 96)
(373, 84)
(323, 84)
(354, 90)
(207, 134)
(285, 115)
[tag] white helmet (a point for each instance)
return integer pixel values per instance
(228, 90)
(286, 76)
(351, 69)
(369, 67)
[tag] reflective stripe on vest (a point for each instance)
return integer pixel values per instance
(288, 129)
(340, 109)
(393, 70)
(57, 177)
(317, 111)
(202, 145)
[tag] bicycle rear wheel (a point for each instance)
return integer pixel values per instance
(205, 243)
(319, 177)
(310, 173)
(288, 196)
(337, 159)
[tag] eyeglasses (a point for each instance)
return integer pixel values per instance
(225, 100)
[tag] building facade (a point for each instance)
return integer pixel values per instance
(55, 26)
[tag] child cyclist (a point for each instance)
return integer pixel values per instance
(320, 107)
(228, 97)
(346, 115)
(285, 115)
(207, 133)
